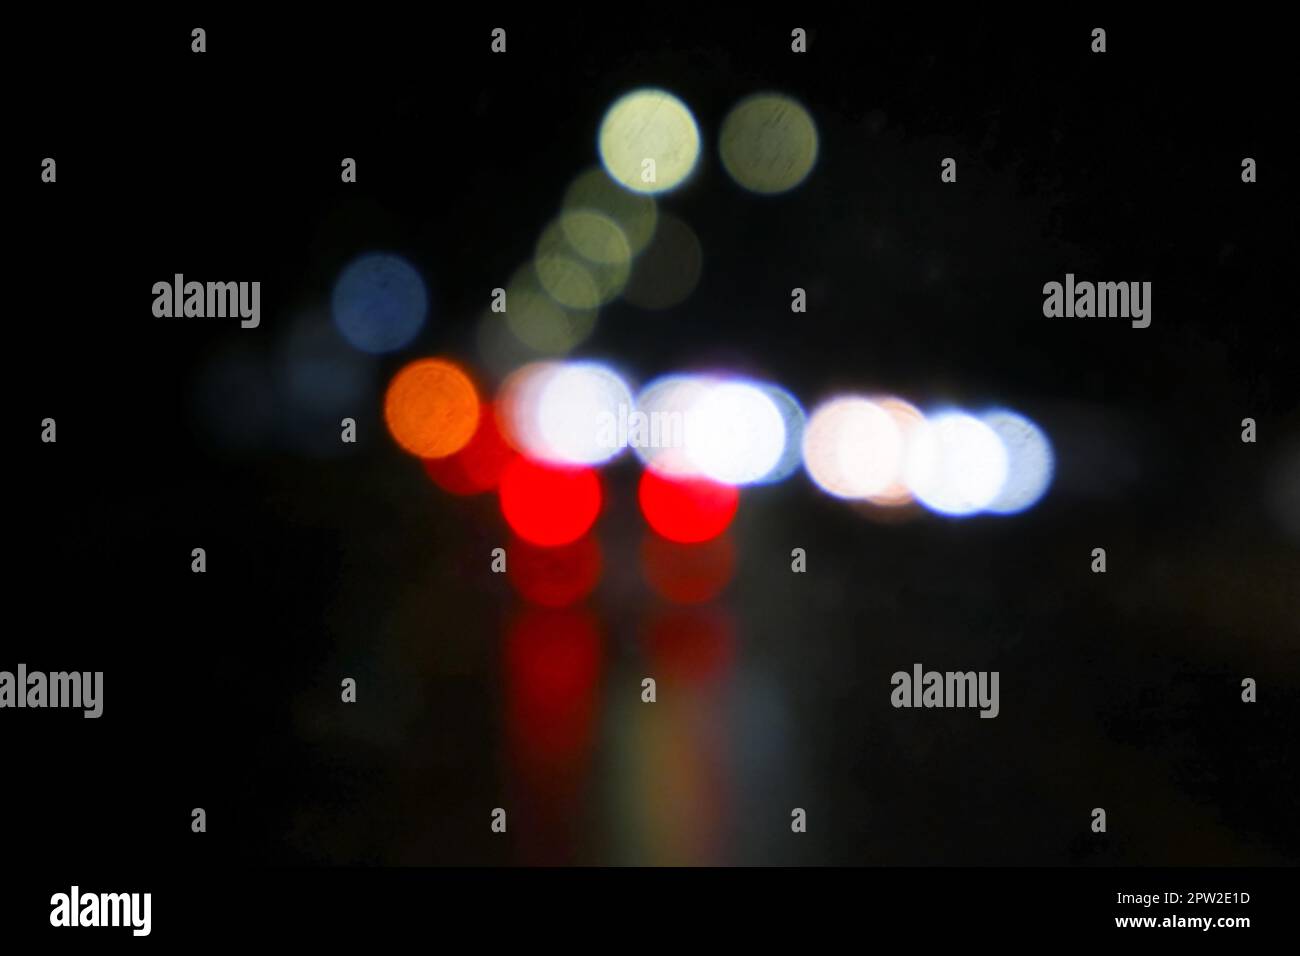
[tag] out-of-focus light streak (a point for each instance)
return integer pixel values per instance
(698, 435)
(553, 660)
(674, 763)
(693, 646)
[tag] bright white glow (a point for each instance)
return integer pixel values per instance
(518, 402)
(735, 433)
(1030, 462)
(579, 407)
(852, 448)
(793, 417)
(908, 418)
(658, 435)
(956, 464)
(648, 141)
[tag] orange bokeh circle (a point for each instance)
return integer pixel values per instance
(431, 408)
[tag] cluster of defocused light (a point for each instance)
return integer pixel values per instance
(726, 429)
(608, 240)
(534, 427)
(700, 437)
(564, 413)
(886, 452)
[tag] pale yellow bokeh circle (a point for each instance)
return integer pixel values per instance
(546, 327)
(649, 141)
(596, 237)
(768, 143)
(634, 213)
(569, 276)
(539, 322)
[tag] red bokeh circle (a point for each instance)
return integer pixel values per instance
(548, 505)
(686, 510)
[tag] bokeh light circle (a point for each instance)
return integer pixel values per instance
(586, 275)
(1030, 461)
(663, 408)
(768, 143)
(686, 510)
(579, 414)
(379, 303)
(852, 448)
(565, 412)
(636, 214)
(568, 280)
(517, 403)
(543, 325)
(548, 505)
(596, 237)
(792, 415)
(431, 408)
(735, 433)
(649, 124)
(908, 418)
(956, 465)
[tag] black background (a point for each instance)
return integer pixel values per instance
(1120, 691)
